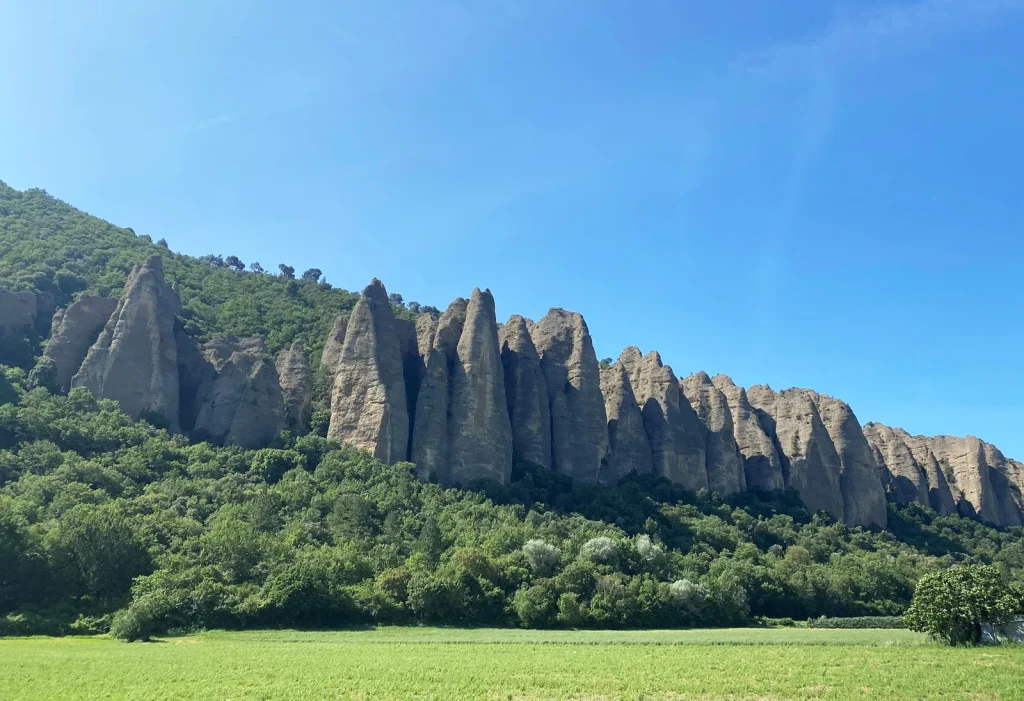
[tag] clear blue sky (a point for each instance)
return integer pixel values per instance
(826, 195)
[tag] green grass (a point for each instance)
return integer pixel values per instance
(425, 663)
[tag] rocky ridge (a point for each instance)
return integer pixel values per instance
(465, 398)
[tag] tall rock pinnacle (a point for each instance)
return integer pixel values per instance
(368, 404)
(762, 466)
(296, 386)
(627, 439)
(526, 394)
(863, 496)
(724, 460)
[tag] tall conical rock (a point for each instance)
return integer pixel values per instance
(134, 360)
(240, 402)
(810, 461)
(724, 460)
(479, 432)
(627, 439)
(859, 478)
(526, 394)
(296, 381)
(430, 432)
(368, 404)
(72, 332)
(579, 426)
(677, 437)
(331, 354)
(762, 466)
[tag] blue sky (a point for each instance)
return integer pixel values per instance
(825, 195)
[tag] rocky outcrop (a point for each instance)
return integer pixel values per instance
(239, 399)
(17, 311)
(859, 481)
(908, 470)
(629, 450)
(72, 333)
(676, 435)
(579, 426)
(368, 403)
(810, 463)
(724, 460)
(296, 381)
(982, 477)
(430, 432)
(332, 348)
(134, 360)
(526, 394)
(479, 432)
(762, 466)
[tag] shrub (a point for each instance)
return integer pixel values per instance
(535, 606)
(859, 622)
(543, 558)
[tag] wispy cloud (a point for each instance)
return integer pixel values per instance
(872, 36)
(212, 122)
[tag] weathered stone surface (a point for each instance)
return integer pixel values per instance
(579, 426)
(677, 437)
(809, 459)
(982, 477)
(134, 360)
(296, 380)
(859, 479)
(724, 460)
(240, 402)
(430, 433)
(17, 311)
(762, 466)
(526, 394)
(72, 333)
(901, 474)
(940, 492)
(627, 439)
(368, 403)
(332, 348)
(195, 374)
(479, 432)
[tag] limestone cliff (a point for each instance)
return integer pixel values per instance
(17, 311)
(134, 360)
(724, 460)
(859, 482)
(526, 394)
(296, 382)
(332, 348)
(72, 333)
(627, 439)
(762, 465)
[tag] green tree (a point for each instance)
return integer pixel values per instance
(951, 605)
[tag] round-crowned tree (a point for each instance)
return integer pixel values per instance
(952, 605)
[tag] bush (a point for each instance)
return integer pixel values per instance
(535, 606)
(543, 558)
(858, 622)
(951, 605)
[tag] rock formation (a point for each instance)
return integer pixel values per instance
(332, 348)
(908, 468)
(762, 466)
(72, 332)
(240, 402)
(17, 311)
(579, 426)
(859, 481)
(724, 460)
(526, 394)
(676, 435)
(296, 381)
(810, 462)
(479, 432)
(627, 439)
(134, 360)
(368, 404)
(983, 478)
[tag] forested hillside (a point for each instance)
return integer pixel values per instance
(101, 513)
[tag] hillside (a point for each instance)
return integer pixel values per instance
(262, 449)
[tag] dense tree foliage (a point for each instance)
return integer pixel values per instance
(952, 605)
(100, 514)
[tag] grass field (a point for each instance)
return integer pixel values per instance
(426, 663)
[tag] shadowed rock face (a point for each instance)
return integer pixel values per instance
(17, 311)
(526, 394)
(134, 360)
(859, 480)
(762, 466)
(368, 404)
(579, 426)
(296, 380)
(676, 435)
(810, 463)
(627, 440)
(72, 332)
(430, 433)
(902, 475)
(332, 348)
(479, 432)
(240, 402)
(724, 460)
(983, 477)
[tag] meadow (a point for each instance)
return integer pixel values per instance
(431, 663)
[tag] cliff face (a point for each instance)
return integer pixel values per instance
(296, 382)
(134, 360)
(17, 311)
(863, 496)
(526, 394)
(627, 438)
(762, 466)
(724, 460)
(72, 332)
